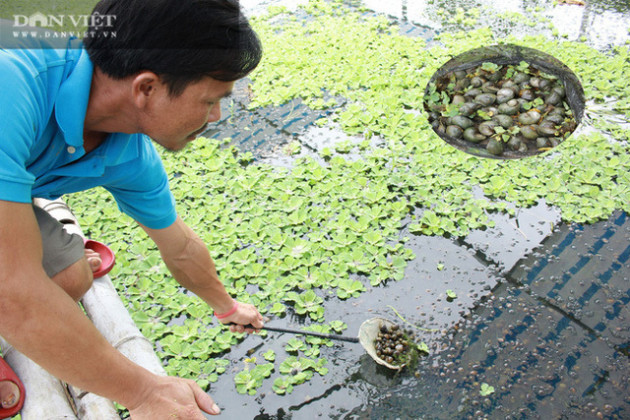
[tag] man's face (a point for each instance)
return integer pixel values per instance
(173, 122)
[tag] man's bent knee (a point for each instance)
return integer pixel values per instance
(76, 280)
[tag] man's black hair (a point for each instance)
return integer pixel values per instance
(181, 41)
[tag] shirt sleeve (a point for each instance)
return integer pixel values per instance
(141, 188)
(21, 106)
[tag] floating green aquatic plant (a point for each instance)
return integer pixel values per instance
(294, 345)
(486, 390)
(347, 288)
(270, 355)
(296, 371)
(248, 380)
(307, 303)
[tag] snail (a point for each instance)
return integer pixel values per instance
(461, 121)
(489, 87)
(392, 345)
(553, 98)
(491, 110)
(517, 143)
(469, 108)
(535, 82)
(506, 109)
(530, 117)
(504, 121)
(462, 84)
(504, 95)
(510, 107)
(520, 77)
(558, 111)
(526, 94)
(460, 74)
(547, 129)
(454, 131)
(477, 81)
(487, 128)
(509, 84)
(495, 146)
(530, 131)
(554, 118)
(473, 92)
(458, 99)
(472, 135)
(486, 99)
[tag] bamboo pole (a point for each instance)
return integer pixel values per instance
(117, 326)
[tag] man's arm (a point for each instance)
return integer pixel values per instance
(188, 259)
(40, 320)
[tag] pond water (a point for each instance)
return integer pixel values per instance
(604, 23)
(541, 309)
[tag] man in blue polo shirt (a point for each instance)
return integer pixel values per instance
(44, 154)
(80, 117)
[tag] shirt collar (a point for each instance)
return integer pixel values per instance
(121, 148)
(73, 96)
(71, 106)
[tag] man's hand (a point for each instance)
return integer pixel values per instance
(189, 261)
(174, 398)
(245, 314)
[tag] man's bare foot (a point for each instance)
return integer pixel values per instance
(94, 259)
(9, 394)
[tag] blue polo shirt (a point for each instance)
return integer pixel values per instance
(43, 99)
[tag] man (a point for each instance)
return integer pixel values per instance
(70, 119)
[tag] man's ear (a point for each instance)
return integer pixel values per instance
(144, 87)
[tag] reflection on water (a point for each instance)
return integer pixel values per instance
(604, 23)
(256, 7)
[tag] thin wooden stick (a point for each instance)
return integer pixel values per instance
(311, 333)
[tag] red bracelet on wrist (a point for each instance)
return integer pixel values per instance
(228, 313)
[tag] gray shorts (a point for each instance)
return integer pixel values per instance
(61, 249)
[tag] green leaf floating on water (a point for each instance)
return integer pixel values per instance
(270, 355)
(283, 385)
(307, 303)
(486, 390)
(349, 288)
(338, 326)
(248, 380)
(294, 345)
